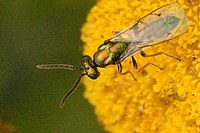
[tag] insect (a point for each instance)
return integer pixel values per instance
(164, 23)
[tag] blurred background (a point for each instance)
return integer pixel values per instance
(35, 32)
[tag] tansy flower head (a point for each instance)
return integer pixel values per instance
(165, 100)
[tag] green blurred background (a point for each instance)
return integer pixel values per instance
(34, 32)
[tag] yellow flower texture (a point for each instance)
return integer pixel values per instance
(167, 100)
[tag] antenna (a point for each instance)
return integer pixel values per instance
(58, 66)
(71, 90)
(68, 67)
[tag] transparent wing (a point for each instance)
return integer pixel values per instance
(162, 24)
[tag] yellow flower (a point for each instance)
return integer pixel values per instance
(160, 100)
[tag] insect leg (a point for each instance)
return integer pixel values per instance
(134, 62)
(159, 53)
(119, 65)
(147, 64)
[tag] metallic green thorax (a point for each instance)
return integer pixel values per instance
(108, 53)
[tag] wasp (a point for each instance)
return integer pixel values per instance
(164, 23)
